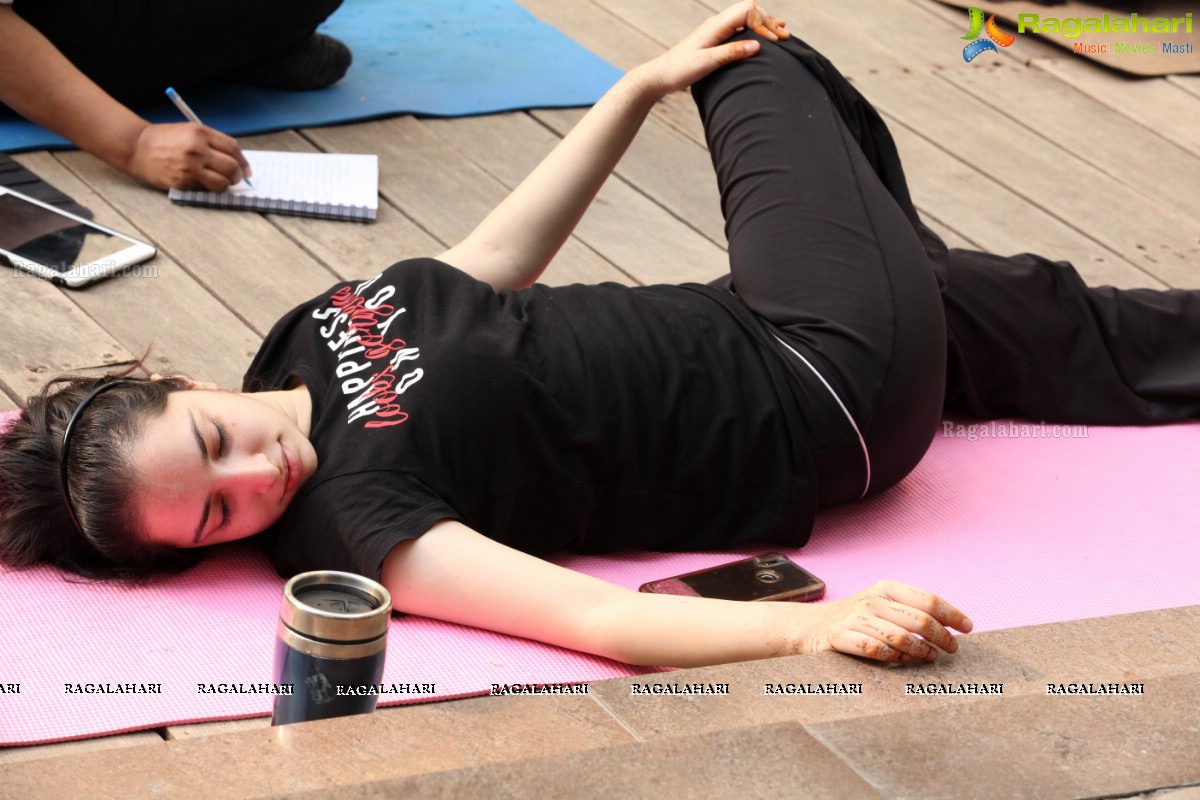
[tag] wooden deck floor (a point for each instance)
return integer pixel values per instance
(1032, 149)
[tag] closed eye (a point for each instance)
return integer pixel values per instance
(222, 448)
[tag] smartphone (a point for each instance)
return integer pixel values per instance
(61, 247)
(771, 576)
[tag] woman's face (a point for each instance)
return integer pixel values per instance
(217, 466)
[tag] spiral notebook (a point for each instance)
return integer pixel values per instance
(329, 185)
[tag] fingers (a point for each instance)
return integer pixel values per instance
(918, 622)
(731, 51)
(770, 28)
(882, 641)
(228, 145)
(218, 173)
(221, 163)
(895, 622)
(921, 600)
(735, 17)
(720, 27)
(708, 48)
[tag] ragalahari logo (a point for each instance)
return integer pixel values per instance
(995, 36)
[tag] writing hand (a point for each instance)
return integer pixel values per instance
(187, 155)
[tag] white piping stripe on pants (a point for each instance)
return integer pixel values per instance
(842, 406)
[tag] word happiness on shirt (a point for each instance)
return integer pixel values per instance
(369, 358)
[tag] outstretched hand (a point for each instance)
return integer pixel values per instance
(705, 49)
(890, 621)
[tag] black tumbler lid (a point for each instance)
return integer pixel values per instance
(335, 606)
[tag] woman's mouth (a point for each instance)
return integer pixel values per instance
(289, 478)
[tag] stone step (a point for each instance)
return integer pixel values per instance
(960, 738)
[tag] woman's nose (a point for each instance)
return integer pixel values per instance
(254, 473)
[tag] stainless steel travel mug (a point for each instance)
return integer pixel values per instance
(330, 647)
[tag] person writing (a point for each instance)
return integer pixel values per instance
(442, 424)
(78, 70)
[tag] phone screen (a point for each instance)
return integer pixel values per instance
(44, 237)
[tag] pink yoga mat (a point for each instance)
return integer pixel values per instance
(1016, 525)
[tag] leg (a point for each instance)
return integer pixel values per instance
(1028, 338)
(823, 243)
(134, 50)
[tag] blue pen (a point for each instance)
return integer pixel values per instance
(186, 110)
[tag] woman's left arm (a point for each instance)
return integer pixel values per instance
(455, 574)
(517, 240)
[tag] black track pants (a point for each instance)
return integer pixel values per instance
(825, 245)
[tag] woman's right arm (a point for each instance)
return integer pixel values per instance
(42, 85)
(455, 574)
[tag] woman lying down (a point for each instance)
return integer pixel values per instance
(440, 425)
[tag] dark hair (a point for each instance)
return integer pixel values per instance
(35, 527)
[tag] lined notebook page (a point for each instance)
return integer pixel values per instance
(316, 184)
(334, 178)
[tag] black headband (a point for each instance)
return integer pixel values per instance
(66, 443)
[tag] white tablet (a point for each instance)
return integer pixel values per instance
(60, 247)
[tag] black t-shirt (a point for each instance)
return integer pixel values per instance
(587, 418)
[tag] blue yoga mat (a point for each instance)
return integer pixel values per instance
(447, 58)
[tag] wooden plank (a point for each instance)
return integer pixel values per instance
(445, 193)
(1189, 83)
(1160, 105)
(238, 256)
(420, 175)
(52, 336)
(864, 55)
(1150, 235)
(605, 34)
(16, 755)
(664, 21)
(1125, 150)
(1007, 221)
(656, 160)
(613, 39)
(162, 309)
(667, 166)
(676, 23)
(351, 250)
(949, 235)
(663, 164)
(1144, 233)
(999, 220)
(1117, 144)
(622, 225)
